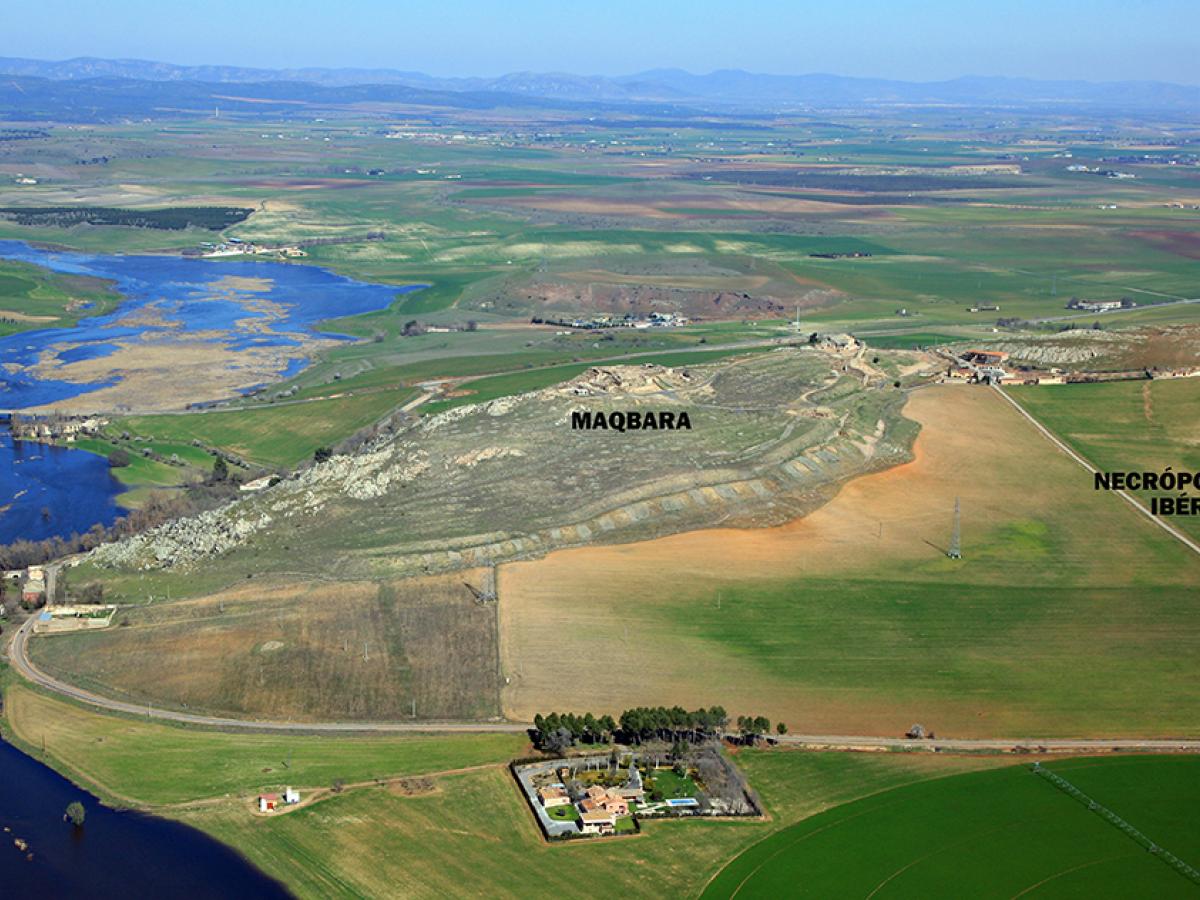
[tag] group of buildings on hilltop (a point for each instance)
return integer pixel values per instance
(992, 367)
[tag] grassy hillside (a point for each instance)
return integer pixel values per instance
(272, 436)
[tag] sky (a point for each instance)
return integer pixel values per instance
(1096, 40)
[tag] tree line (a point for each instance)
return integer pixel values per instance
(556, 732)
(213, 218)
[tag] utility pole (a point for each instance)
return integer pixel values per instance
(955, 551)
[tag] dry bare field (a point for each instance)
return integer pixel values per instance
(315, 651)
(1068, 614)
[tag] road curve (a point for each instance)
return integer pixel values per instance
(19, 657)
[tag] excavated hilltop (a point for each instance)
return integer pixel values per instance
(770, 437)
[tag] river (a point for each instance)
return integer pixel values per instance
(48, 491)
(242, 307)
(115, 854)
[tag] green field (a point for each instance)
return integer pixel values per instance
(475, 835)
(465, 832)
(988, 834)
(1128, 426)
(276, 436)
(32, 297)
(157, 764)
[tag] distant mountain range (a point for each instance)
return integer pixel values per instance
(724, 90)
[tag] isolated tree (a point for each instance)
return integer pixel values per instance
(322, 454)
(780, 729)
(220, 470)
(118, 458)
(75, 813)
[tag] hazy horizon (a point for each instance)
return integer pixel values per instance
(583, 74)
(938, 40)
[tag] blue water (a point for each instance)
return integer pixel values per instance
(122, 855)
(87, 351)
(187, 296)
(74, 487)
(179, 295)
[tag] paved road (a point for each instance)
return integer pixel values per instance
(1049, 745)
(18, 656)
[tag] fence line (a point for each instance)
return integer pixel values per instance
(1113, 819)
